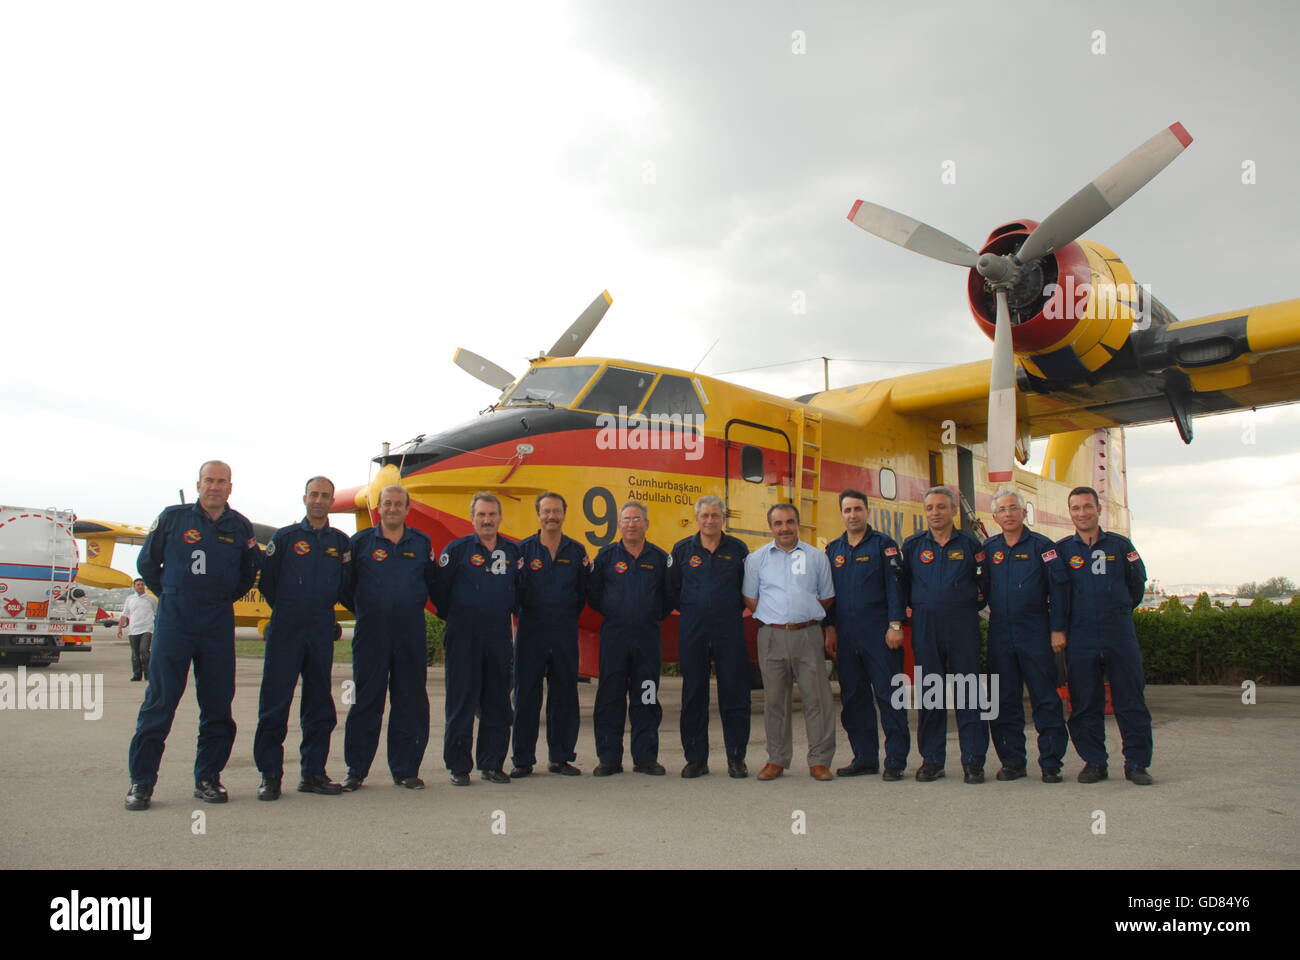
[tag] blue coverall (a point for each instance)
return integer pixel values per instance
(706, 587)
(1026, 588)
(631, 593)
(941, 585)
(1107, 581)
(477, 593)
(553, 592)
(868, 597)
(197, 568)
(302, 579)
(387, 584)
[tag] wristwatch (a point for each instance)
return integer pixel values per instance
(895, 625)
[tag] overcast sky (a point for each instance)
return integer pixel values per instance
(258, 231)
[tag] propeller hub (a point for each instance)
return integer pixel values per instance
(998, 269)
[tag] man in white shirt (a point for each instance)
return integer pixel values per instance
(788, 588)
(137, 613)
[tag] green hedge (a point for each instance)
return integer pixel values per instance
(433, 628)
(1223, 645)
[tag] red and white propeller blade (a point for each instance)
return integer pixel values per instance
(1093, 203)
(911, 234)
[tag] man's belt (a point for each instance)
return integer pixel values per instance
(793, 626)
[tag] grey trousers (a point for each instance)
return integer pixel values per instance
(796, 656)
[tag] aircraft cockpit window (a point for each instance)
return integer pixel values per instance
(553, 385)
(617, 388)
(674, 397)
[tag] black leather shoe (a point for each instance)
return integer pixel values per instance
(1091, 774)
(1052, 776)
(654, 769)
(137, 798)
(320, 783)
(460, 779)
(1139, 776)
(565, 769)
(521, 771)
(410, 783)
(352, 782)
(1011, 773)
(607, 769)
(210, 791)
(929, 771)
(891, 774)
(494, 776)
(856, 769)
(693, 770)
(973, 773)
(137, 677)
(269, 789)
(737, 770)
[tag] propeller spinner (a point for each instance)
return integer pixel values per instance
(1003, 272)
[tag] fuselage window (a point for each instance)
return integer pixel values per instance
(888, 484)
(674, 397)
(751, 464)
(617, 388)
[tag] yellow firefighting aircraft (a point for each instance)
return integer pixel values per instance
(1080, 352)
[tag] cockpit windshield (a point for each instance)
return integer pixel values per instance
(554, 385)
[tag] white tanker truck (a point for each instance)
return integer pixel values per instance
(42, 610)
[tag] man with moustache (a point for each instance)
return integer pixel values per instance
(704, 583)
(940, 575)
(387, 583)
(478, 590)
(629, 588)
(553, 592)
(864, 632)
(198, 559)
(1025, 583)
(302, 579)
(1107, 580)
(788, 588)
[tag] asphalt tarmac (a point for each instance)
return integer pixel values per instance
(1226, 796)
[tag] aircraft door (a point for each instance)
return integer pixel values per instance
(759, 468)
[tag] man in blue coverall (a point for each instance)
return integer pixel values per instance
(941, 585)
(553, 592)
(387, 583)
(864, 632)
(629, 588)
(302, 579)
(478, 590)
(198, 560)
(1026, 587)
(1107, 580)
(704, 583)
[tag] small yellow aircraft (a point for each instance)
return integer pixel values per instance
(1080, 351)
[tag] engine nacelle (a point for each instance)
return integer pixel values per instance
(1071, 311)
